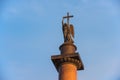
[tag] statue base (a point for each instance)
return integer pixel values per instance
(67, 48)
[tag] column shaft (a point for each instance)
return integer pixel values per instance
(68, 71)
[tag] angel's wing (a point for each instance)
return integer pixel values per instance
(72, 30)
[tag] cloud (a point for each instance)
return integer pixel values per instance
(110, 6)
(9, 13)
(24, 9)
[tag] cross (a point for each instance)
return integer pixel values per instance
(68, 16)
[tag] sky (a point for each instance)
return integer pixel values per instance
(31, 32)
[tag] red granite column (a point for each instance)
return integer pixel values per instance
(67, 70)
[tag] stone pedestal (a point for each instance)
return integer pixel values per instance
(68, 62)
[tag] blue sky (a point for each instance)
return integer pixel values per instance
(30, 32)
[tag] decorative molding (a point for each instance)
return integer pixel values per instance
(76, 62)
(74, 58)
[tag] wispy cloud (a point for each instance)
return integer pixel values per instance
(22, 9)
(110, 6)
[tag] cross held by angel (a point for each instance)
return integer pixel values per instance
(68, 29)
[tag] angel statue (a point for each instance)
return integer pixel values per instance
(68, 30)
